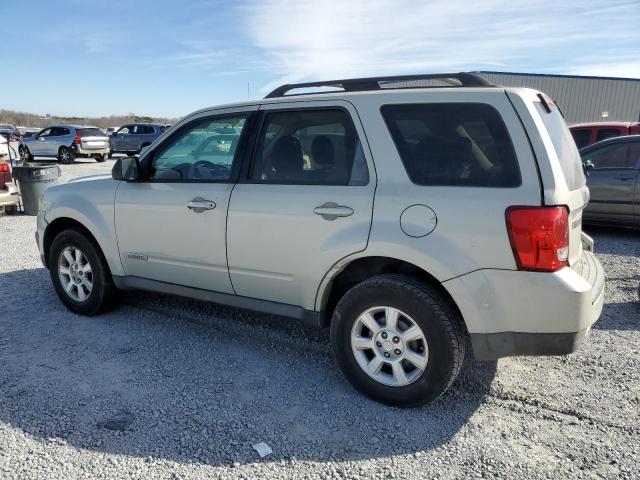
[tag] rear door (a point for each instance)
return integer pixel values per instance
(563, 179)
(612, 182)
(305, 203)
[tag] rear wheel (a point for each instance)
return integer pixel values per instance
(101, 158)
(25, 155)
(80, 274)
(66, 155)
(397, 340)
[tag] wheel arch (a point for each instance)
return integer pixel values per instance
(339, 281)
(65, 222)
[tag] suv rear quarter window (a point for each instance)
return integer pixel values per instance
(563, 144)
(453, 144)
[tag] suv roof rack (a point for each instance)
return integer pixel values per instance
(461, 79)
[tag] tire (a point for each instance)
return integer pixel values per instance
(25, 154)
(11, 210)
(66, 155)
(440, 350)
(101, 158)
(102, 295)
(110, 155)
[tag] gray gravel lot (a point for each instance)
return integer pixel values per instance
(172, 388)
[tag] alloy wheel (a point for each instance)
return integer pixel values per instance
(74, 271)
(389, 346)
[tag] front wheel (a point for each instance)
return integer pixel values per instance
(80, 274)
(66, 155)
(397, 340)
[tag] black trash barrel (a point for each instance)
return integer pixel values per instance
(33, 180)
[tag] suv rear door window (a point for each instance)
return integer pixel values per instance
(310, 147)
(563, 144)
(453, 144)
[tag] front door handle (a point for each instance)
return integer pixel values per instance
(199, 205)
(331, 211)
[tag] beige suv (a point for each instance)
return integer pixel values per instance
(407, 214)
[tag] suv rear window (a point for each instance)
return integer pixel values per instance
(90, 132)
(453, 144)
(563, 144)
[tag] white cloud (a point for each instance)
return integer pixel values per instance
(338, 38)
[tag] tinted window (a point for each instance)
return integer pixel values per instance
(609, 156)
(605, 133)
(318, 147)
(581, 137)
(454, 144)
(634, 154)
(563, 144)
(145, 129)
(199, 152)
(90, 132)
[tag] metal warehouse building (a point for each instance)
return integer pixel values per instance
(582, 99)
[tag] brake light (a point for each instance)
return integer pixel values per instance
(539, 237)
(77, 140)
(5, 174)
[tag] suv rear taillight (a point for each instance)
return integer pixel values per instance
(77, 140)
(539, 237)
(5, 174)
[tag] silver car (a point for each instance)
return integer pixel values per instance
(411, 222)
(67, 142)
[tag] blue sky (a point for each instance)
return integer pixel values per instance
(168, 58)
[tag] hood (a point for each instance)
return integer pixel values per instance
(90, 178)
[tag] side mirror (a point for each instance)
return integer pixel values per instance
(587, 166)
(126, 169)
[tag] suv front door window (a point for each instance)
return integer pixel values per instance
(182, 206)
(307, 188)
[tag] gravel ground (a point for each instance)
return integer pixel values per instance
(171, 388)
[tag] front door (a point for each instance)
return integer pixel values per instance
(611, 182)
(121, 138)
(305, 203)
(37, 147)
(171, 227)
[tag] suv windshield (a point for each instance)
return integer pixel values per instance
(563, 144)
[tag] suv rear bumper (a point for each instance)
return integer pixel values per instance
(511, 313)
(9, 196)
(90, 152)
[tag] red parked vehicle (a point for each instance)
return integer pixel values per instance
(587, 133)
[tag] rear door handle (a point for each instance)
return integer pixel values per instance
(199, 205)
(625, 177)
(331, 211)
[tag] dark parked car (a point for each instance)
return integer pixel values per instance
(613, 166)
(585, 134)
(132, 138)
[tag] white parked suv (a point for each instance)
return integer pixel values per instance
(408, 219)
